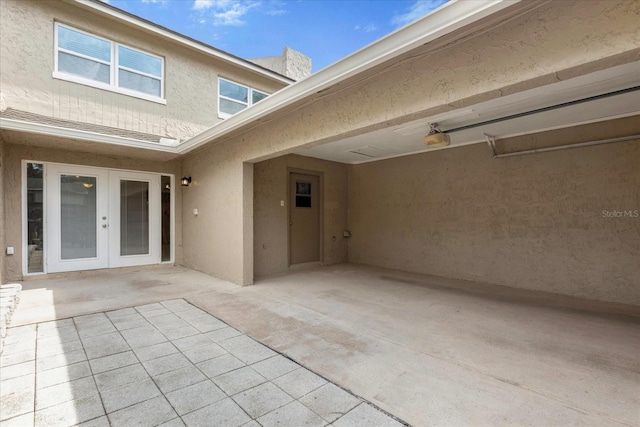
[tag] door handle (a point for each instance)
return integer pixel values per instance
(290, 222)
(105, 225)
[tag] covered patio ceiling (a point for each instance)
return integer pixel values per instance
(607, 94)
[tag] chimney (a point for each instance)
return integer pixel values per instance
(291, 63)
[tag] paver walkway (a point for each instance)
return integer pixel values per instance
(169, 364)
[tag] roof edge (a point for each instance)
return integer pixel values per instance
(159, 30)
(442, 21)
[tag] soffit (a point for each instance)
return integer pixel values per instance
(406, 139)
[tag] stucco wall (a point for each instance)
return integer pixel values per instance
(27, 52)
(533, 222)
(270, 220)
(14, 154)
(554, 42)
(221, 187)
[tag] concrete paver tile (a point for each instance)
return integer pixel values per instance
(121, 376)
(119, 313)
(330, 402)
(299, 382)
(254, 353)
(15, 358)
(64, 392)
(120, 397)
(262, 399)
(55, 324)
(15, 404)
(252, 423)
(104, 345)
(154, 351)
(293, 414)
(275, 367)
(17, 385)
(237, 343)
(161, 318)
(206, 323)
(148, 413)
(143, 337)
(176, 422)
(17, 346)
(239, 380)
(64, 334)
(95, 329)
(150, 314)
(205, 352)
(148, 307)
(190, 342)
(25, 420)
(220, 365)
(177, 305)
(179, 378)
(102, 421)
(165, 364)
(63, 374)
(122, 322)
(62, 359)
(52, 350)
(87, 319)
(114, 361)
(18, 370)
(177, 332)
(366, 415)
(190, 313)
(70, 413)
(195, 396)
(224, 413)
(131, 324)
(223, 334)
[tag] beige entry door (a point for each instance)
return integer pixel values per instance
(304, 219)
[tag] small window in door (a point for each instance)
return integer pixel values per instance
(35, 223)
(303, 194)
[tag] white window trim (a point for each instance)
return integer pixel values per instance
(249, 103)
(114, 66)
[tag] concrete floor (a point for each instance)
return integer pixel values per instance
(431, 351)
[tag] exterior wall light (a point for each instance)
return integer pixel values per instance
(185, 181)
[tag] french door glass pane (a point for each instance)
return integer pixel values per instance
(35, 229)
(78, 217)
(134, 217)
(165, 182)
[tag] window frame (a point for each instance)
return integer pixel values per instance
(249, 103)
(114, 67)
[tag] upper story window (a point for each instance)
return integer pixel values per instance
(84, 58)
(234, 97)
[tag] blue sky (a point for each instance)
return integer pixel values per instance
(325, 30)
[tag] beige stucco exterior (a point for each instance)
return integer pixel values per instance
(270, 219)
(533, 222)
(190, 83)
(553, 42)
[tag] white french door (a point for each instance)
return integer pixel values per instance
(98, 218)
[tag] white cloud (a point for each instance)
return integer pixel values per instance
(417, 10)
(226, 12)
(154, 1)
(366, 28)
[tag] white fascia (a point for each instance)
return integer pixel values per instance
(157, 30)
(451, 16)
(165, 145)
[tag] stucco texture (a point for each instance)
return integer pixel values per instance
(27, 64)
(270, 220)
(504, 55)
(532, 222)
(13, 156)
